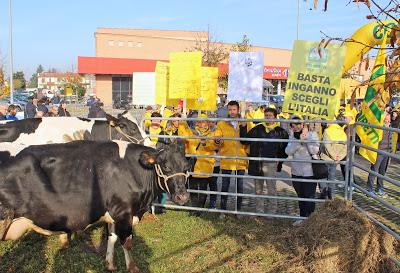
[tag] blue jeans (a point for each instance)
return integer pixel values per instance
(225, 188)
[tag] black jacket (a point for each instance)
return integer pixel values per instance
(63, 112)
(30, 110)
(264, 149)
(96, 112)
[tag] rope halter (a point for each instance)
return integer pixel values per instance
(130, 138)
(165, 178)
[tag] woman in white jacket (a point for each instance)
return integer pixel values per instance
(301, 169)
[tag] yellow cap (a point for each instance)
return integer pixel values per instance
(202, 116)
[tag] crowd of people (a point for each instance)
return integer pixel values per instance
(287, 144)
(39, 106)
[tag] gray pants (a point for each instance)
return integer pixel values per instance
(329, 187)
(380, 167)
(268, 169)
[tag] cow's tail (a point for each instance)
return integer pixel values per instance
(6, 218)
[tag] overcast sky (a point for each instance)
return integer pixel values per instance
(54, 33)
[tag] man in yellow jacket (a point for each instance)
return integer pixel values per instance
(197, 146)
(231, 148)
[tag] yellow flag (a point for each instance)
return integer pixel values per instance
(373, 107)
(184, 75)
(207, 100)
(162, 84)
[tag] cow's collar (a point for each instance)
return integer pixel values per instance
(130, 138)
(165, 178)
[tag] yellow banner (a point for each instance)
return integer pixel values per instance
(313, 87)
(373, 107)
(162, 84)
(184, 75)
(208, 91)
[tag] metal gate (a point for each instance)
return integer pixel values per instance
(348, 186)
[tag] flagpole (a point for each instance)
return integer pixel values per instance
(298, 19)
(11, 56)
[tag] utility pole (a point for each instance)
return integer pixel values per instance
(298, 19)
(11, 55)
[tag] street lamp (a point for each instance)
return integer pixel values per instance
(11, 55)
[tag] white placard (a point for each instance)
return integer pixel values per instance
(143, 88)
(245, 81)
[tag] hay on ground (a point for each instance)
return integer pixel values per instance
(337, 238)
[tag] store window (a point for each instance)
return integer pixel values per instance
(121, 91)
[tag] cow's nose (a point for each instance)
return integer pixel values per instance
(182, 198)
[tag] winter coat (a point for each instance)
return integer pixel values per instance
(231, 147)
(193, 146)
(264, 149)
(299, 151)
(334, 151)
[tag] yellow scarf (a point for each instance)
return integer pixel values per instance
(202, 131)
(269, 128)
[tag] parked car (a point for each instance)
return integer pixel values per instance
(276, 100)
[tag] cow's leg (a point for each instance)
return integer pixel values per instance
(6, 217)
(124, 231)
(64, 240)
(112, 238)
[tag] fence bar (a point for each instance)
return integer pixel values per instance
(347, 166)
(245, 213)
(390, 180)
(376, 221)
(259, 196)
(270, 177)
(387, 204)
(284, 140)
(352, 156)
(395, 130)
(268, 159)
(392, 155)
(393, 259)
(250, 120)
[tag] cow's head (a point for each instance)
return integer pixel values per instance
(127, 128)
(171, 168)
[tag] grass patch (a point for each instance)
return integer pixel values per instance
(173, 243)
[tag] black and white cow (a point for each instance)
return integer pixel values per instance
(17, 135)
(62, 188)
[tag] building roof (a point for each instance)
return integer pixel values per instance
(56, 74)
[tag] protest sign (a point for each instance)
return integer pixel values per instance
(184, 75)
(245, 79)
(207, 100)
(162, 85)
(143, 88)
(313, 86)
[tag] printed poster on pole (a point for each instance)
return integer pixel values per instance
(245, 78)
(313, 87)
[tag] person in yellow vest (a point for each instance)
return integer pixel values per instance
(333, 152)
(201, 165)
(155, 129)
(167, 113)
(231, 148)
(147, 122)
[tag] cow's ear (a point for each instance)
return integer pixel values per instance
(122, 114)
(111, 120)
(148, 159)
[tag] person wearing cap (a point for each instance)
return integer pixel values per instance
(267, 130)
(30, 108)
(302, 170)
(230, 129)
(147, 114)
(62, 110)
(333, 152)
(96, 110)
(202, 166)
